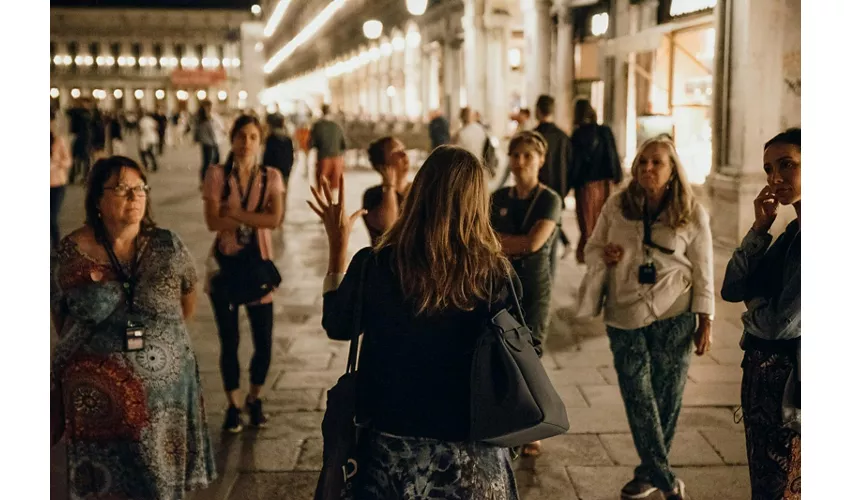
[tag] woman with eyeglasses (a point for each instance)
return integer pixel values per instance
(121, 291)
(652, 243)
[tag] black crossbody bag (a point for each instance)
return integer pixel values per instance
(245, 277)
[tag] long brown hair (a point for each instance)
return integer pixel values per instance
(446, 253)
(680, 208)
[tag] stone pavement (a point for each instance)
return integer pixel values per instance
(282, 462)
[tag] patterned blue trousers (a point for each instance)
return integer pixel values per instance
(652, 368)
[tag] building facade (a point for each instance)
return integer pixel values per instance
(720, 76)
(143, 59)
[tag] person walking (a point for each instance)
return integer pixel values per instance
(767, 279)
(148, 141)
(388, 157)
(243, 202)
(555, 170)
(526, 218)
(595, 169)
(161, 129)
(329, 140)
(434, 278)
(438, 129)
(652, 248)
(205, 136)
(279, 152)
(60, 164)
(472, 135)
(121, 291)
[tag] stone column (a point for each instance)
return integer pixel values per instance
(538, 48)
(475, 51)
(755, 41)
(170, 101)
(497, 69)
(129, 99)
(564, 68)
(425, 79)
(451, 78)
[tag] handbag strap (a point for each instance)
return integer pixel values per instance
(516, 300)
(351, 366)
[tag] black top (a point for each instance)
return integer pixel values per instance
(279, 154)
(414, 374)
(510, 215)
(595, 156)
(438, 130)
(372, 199)
(556, 167)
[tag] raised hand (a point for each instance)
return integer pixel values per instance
(613, 253)
(337, 224)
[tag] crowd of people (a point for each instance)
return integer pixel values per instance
(125, 384)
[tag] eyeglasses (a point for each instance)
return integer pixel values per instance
(124, 191)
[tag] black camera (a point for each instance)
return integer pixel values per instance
(647, 274)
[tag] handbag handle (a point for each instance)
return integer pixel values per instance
(351, 365)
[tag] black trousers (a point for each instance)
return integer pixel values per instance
(209, 156)
(57, 195)
(261, 318)
(149, 159)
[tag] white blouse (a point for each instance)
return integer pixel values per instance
(685, 279)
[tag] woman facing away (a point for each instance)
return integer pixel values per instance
(243, 203)
(767, 280)
(655, 240)
(121, 289)
(432, 281)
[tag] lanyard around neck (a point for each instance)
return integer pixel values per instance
(649, 220)
(243, 197)
(130, 279)
(535, 195)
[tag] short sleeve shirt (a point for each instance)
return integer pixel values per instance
(372, 199)
(510, 215)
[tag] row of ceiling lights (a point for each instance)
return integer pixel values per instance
(129, 61)
(182, 95)
(375, 53)
(415, 7)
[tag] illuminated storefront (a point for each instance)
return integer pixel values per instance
(668, 83)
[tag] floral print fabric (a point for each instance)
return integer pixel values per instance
(135, 422)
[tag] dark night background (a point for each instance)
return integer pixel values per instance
(153, 4)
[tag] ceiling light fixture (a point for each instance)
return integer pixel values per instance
(303, 36)
(275, 18)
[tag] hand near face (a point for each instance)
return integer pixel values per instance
(389, 176)
(613, 253)
(765, 210)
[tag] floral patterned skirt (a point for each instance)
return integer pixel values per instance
(408, 468)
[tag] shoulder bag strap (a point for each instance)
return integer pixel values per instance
(516, 300)
(351, 366)
(530, 207)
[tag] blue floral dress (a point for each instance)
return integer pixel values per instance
(134, 421)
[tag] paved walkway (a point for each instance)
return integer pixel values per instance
(282, 462)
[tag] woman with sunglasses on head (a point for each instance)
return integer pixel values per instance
(767, 280)
(121, 291)
(653, 243)
(243, 203)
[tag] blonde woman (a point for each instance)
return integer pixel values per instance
(655, 240)
(433, 279)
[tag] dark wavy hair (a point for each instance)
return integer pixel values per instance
(790, 137)
(377, 151)
(101, 172)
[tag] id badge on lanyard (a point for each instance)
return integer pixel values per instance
(134, 330)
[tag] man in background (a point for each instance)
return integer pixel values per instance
(329, 140)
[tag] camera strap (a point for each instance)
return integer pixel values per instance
(648, 221)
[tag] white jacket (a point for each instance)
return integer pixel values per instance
(685, 279)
